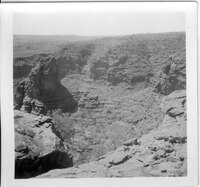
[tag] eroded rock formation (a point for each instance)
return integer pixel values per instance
(162, 152)
(38, 147)
(171, 77)
(42, 90)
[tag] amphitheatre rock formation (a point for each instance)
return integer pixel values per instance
(123, 97)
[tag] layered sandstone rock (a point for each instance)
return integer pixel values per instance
(38, 146)
(161, 153)
(42, 90)
(171, 77)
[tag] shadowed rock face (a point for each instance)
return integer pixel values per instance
(161, 153)
(38, 147)
(42, 90)
(171, 77)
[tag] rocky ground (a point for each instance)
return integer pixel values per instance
(38, 146)
(110, 107)
(161, 152)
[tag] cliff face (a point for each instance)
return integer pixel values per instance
(162, 152)
(134, 59)
(38, 146)
(42, 90)
(171, 76)
(23, 65)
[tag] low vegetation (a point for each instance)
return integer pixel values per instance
(64, 126)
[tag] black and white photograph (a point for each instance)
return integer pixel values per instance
(101, 94)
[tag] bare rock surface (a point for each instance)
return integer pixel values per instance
(38, 147)
(161, 152)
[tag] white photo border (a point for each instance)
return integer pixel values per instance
(7, 116)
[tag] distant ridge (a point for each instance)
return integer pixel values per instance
(93, 36)
(27, 45)
(70, 38)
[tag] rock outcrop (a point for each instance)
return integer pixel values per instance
(160, 153)
(88, 101)
(38, 147)
(171, 77)
(42, 90)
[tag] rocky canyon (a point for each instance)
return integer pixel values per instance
(100, 107)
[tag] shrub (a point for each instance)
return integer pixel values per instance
(64, 126)
(98, 151)
(118, 133)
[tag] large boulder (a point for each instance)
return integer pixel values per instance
(42, 90)
(38, 147)
(160, 153)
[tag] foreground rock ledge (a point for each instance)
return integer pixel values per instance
(38, 147)
(160, 153)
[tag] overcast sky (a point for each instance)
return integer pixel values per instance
(85, 24)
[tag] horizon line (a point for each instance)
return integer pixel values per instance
(110, 35)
